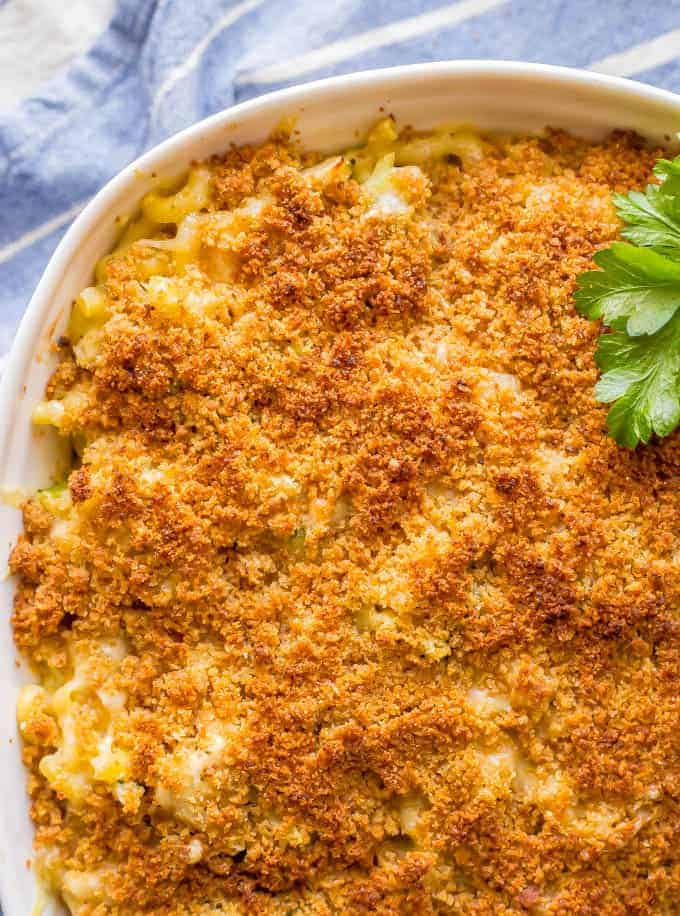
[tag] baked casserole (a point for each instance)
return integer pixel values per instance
(347, 603)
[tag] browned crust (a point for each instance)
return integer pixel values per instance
(554, 582)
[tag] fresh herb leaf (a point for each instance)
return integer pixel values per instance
(653, 218)
(636, 289)
(636, 293)
(667, 168)
(641, 374)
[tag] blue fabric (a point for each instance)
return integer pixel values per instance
(163, 64)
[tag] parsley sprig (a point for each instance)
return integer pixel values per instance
(636, 293)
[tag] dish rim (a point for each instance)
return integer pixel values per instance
(18, 365)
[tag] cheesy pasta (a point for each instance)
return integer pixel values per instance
(347, 604)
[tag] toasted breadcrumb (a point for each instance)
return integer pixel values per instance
(388, 623)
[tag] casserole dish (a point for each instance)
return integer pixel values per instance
(491, 95)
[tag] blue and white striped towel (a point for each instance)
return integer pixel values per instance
(162, 64)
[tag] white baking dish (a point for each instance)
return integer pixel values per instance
(330, 113)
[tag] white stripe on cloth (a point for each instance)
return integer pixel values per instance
(38, 38)
(181, 70)
(34, 235)
(645, 56)
(403, 30)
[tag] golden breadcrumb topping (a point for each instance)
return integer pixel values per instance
(350, 605)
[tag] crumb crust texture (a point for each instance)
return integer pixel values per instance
(348, 604)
